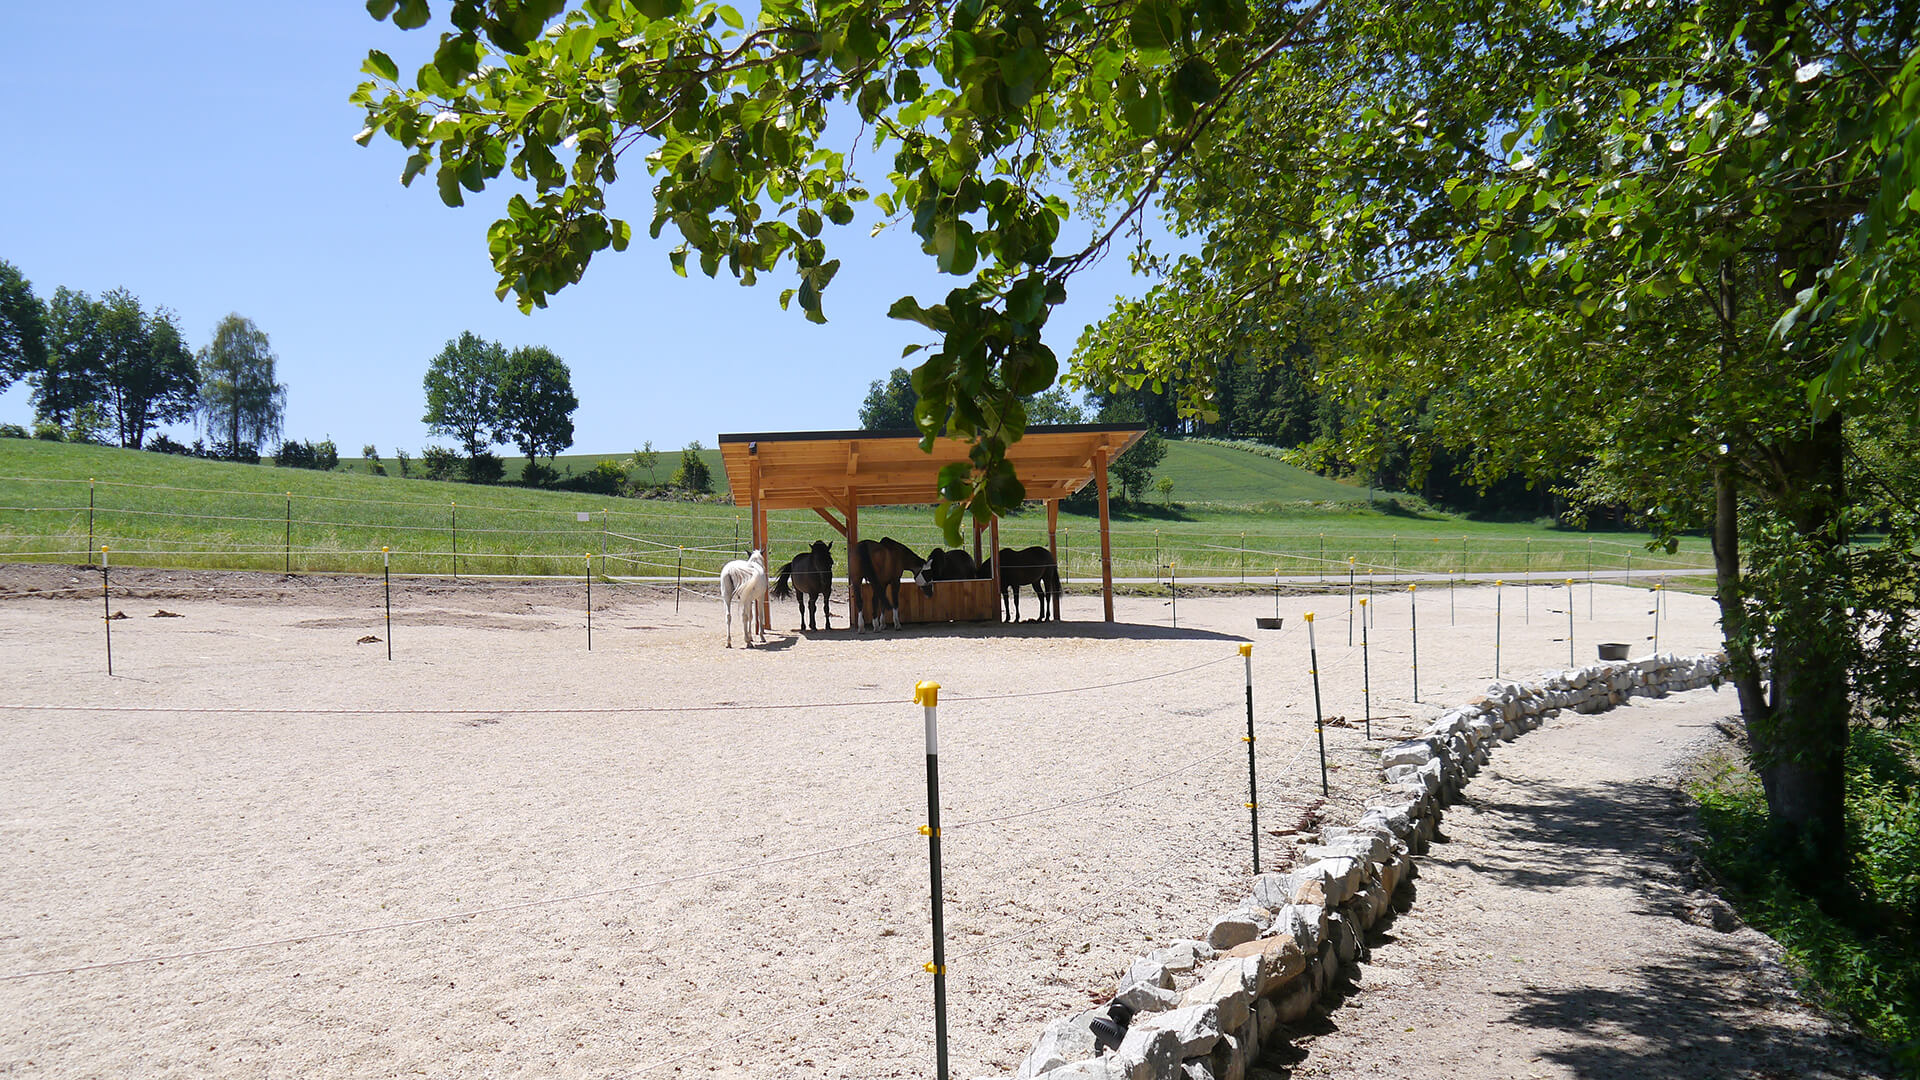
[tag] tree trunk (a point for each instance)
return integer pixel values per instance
(1799, 739)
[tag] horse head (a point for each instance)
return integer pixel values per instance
(928, 572)
(823, 552)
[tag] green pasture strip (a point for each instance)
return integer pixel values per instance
(162, 510)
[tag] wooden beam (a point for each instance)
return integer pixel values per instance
(853, 565)
(1053, 548)
(838, 525)
(998, 617)
(1106, 544)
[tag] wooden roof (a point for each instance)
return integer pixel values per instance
(810, 469)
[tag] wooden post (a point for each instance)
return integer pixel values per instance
(853, 561)
(993, 526)
(1106, 544)
(1053, 522)
(756, 517)
(976, 543)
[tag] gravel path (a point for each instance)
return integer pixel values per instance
(1559, 932)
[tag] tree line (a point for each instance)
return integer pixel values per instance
(108, 369)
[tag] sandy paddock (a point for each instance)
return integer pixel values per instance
(680, 913)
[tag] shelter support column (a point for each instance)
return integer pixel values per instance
(1053, 547)
(1106, 543)
(997, 569)
(976, 543)
(853, 561)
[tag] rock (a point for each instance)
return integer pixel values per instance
(1400, 774)
(1100, 1068)
(1273, 891)
(1196, 1026)
(1373, 844)
(1067, 1039)
(1229, 1059)
(1295, 1004)
(1269, 1017)
(1345, 937)
(1304, 923)
(1342, 876)
(1149, 971)
(1414, 752)
(1233, 928)
(1280, 959)
(1148, 1053)
(1229, 986)
(1182, 956)
(1197, 1070)
(1147, 998)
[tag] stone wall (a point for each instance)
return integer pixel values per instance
(1202, 1008)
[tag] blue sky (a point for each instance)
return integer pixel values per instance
(201, 156)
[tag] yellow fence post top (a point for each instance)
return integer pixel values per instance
(1363, 601)
(1498, 582)
(384, 549)
(1247, 649)
(1410, 588)
(926, 693)
(1308, 616)
(103, 547)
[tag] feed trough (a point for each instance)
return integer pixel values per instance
(1613, 650)
(1267, 623)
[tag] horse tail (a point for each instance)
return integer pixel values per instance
(726, 589)
(780, 588)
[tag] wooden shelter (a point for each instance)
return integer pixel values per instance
(835, 473)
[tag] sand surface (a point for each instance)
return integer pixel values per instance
(684, 860)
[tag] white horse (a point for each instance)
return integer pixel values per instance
(745, 579)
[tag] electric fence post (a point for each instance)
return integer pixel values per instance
(1496, 629)
(1350, 607)
(289, 543)
(1413, 622)
(1253, 786)
(927, 695)
(89, 513)
(1571, 662)
(106, 602)
(386, 585)
(677, 561)
(1366, 673)
(1319, 725)
(589, 601)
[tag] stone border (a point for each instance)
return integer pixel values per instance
(1203, 1009)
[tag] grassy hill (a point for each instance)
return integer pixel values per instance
(157, 509)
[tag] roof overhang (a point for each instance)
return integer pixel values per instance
(794, 470)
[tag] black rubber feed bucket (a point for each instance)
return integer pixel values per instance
(1614, 650)
(1266, 623)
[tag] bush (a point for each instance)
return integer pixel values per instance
(48, 431)
(534, 474)
(160, 444)
(693, 474)
(1865, 963)
(607, 477)
(485, 468)
(294, 454)
(406, 462)
(244, 452)
(372, 454)
(440, 463)
(14, 431)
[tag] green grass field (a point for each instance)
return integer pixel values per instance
(162, 510)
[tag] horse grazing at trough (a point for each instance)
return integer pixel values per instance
(1028, 566)
(955, 565)
(811, 574)
(745, 580)
(882, 562)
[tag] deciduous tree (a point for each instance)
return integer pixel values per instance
(146, 374)
(536, 403)
(23, 333)
(240, 400)
(462, 385)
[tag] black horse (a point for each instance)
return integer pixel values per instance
(812, 576)
(955, 565)
(882, 562)
(1028, 566)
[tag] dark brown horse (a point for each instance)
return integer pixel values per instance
(1027, 566)
(811, 573)
(882, 562)
(955, 565)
